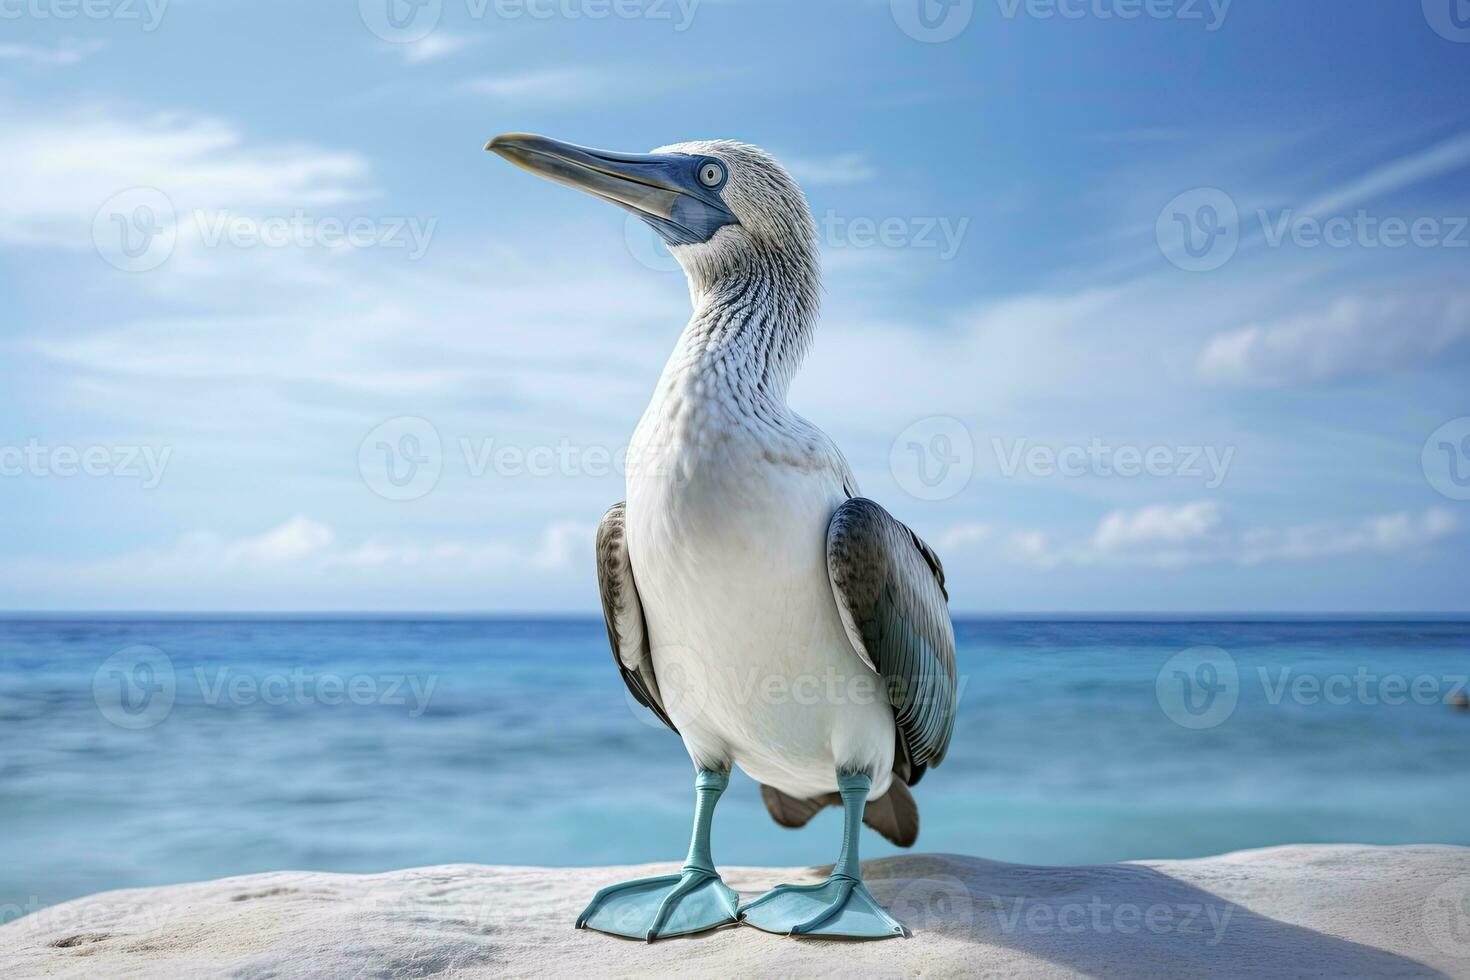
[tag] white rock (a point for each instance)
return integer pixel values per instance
(1301, 911)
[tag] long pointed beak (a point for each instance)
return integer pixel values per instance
(661, 188)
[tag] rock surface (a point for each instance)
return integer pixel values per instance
(1300, 911)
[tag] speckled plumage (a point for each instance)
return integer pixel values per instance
(741, 562)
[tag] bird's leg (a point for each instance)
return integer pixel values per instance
(841, 905)
(672, 905)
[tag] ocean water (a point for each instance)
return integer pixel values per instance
(144, 751)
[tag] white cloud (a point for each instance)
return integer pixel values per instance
(563, 543)
(1354, 336)
(58, 170)
(964, 536)
(1387, 534)
(302, 553)
(297, 539)
(67, 52)
(1154, 526)
(548, 85)
(440, 44)
(1200, 533)
(843, 168)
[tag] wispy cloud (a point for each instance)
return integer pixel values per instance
(1202, 533)
(68, 51)
(1352, 337)
(842, 168)
(58, 169)
(1436, 161)
(438, 45)
(549, 85)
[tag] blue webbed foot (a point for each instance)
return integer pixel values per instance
(668, 905)
(840, 906)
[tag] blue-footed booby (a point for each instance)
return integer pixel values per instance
(761, 608)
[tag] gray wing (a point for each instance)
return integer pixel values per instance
(622, 611)
(889, 587)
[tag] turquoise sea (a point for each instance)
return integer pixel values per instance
(148, 750)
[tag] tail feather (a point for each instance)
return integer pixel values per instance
(788, 811)
(895, 815)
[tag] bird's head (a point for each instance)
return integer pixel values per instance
(720, 206)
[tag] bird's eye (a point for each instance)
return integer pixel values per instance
(711, 173)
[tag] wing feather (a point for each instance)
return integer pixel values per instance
(889, 587)
(623, 613)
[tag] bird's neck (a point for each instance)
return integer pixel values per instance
(750, 331)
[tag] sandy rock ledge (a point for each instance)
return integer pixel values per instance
(1300, 911)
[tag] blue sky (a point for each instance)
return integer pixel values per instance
(252, 254)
